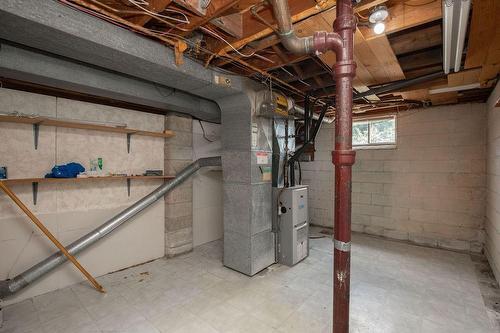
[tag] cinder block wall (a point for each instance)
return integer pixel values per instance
(492, 224)
(429, 190)
(179, 202)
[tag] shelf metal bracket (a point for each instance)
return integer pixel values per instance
(36, 133)
(129, 136)
(34, 186)
(128, 186)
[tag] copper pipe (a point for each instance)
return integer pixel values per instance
(47, 233)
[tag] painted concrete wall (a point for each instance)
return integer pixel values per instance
(429, 190)
(70, 210)
(492, 223)
(207, 198)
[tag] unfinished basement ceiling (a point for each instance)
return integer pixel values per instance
(239, 36)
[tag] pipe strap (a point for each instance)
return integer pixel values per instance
(342, 246)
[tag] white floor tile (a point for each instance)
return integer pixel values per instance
(395, 287)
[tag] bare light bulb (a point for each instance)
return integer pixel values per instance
(379, 28)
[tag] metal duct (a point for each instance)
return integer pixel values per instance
(297, 45)
(10, 287)
(320, 42)
(315, 116)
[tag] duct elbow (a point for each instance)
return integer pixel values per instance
(320, 42)
(297, 45)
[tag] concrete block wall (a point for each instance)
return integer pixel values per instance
(429, 190)
(492, 223)
(179, 202)
(70, 209)
(320, 176)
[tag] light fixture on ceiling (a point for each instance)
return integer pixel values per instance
(455, 19)
(379, 28)
(377, 17)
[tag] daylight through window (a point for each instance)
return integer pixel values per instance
(374, 132)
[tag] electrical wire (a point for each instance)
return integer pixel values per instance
(214, 34)
(252, 74)
(185, 21)
(300, 172)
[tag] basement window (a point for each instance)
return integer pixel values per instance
(374, 133)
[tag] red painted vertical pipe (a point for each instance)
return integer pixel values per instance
(343, 157)
(341, 42)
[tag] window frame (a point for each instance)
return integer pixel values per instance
(382, 145)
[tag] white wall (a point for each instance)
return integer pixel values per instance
(429, 190)
(70, 210)
(492, 224)
(207, 186)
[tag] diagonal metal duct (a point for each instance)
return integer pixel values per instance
(10, 287)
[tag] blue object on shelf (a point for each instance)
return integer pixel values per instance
(3, 172)
(70, 170)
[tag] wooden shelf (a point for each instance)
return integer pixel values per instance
(38, 121)
(15, 181)
(74, 124)
(35, 181)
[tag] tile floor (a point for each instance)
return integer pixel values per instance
(396, 287)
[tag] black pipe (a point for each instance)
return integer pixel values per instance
(300, 151)
(399, 84)
(307, 118)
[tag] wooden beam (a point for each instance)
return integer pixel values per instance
(489, 41)
(421, 59)
(464, 77)
(482, 29)
(416, 40)
(444, 98)
(214, 10)
(378, 58)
